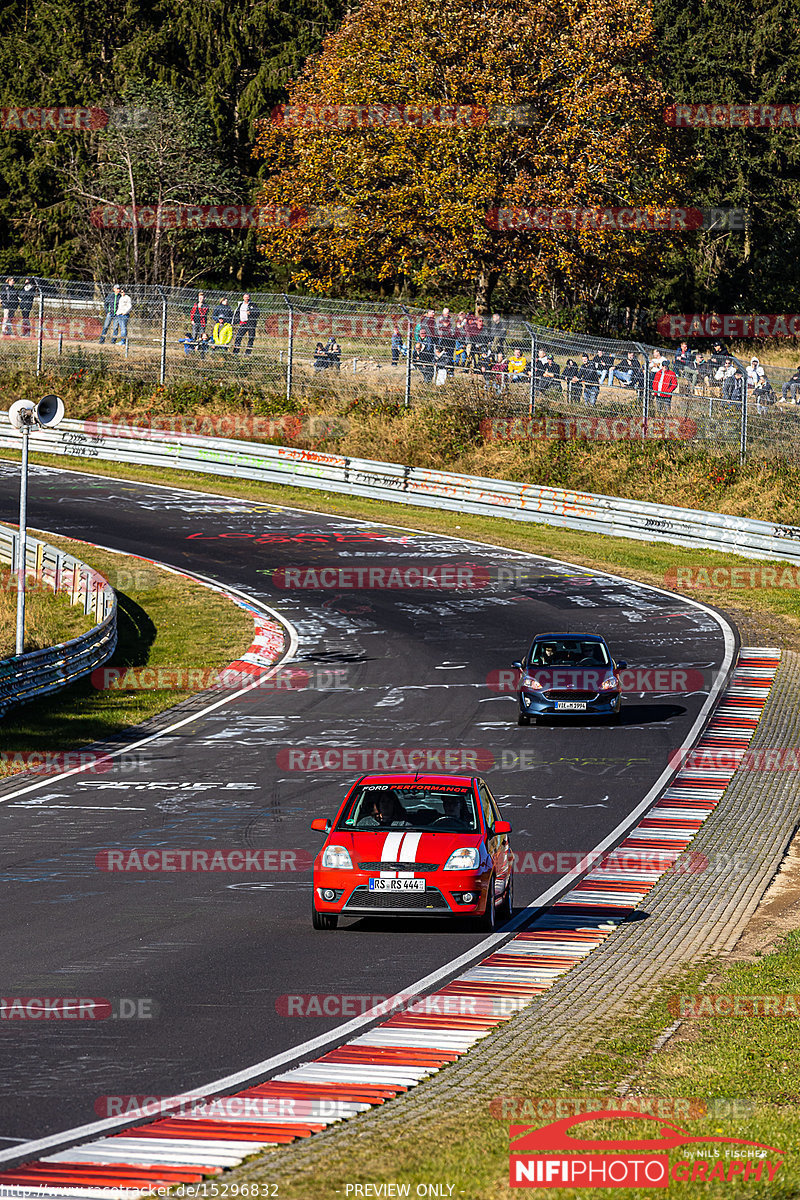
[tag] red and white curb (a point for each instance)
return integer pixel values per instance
(410, 1045)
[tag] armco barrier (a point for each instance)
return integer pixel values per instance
(26, 677)
(417, 486)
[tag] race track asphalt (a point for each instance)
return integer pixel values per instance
(213, 953)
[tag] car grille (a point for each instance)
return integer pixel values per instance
(398, 866)
(428, 901)
(567, 694)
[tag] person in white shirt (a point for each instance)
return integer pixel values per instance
(124, 306)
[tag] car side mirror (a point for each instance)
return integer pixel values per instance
(516, 663)
(501, 827)
(321, 824)
(621, 665)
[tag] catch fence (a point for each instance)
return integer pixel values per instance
(284, 349)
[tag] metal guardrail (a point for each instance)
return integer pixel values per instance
(417, 486)
(26, 677)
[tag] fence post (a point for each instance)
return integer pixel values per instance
(645, 387)
(743, 432)
(532, 385)
(409, 354)
(163, 371)
(289, 349)
(40, 340)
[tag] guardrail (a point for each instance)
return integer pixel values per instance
(416, 486)
(26, 677)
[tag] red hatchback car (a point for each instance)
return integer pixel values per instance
(415, 845)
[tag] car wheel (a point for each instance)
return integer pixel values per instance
(523, 719)
(506, 908)
(323, 920)
(486, 923)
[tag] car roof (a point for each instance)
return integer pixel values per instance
(584, 637)
(424, 778)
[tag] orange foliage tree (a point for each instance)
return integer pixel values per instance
(416, 198)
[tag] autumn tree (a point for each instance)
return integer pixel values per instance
(419, 197)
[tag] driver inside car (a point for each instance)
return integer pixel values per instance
(385, 811)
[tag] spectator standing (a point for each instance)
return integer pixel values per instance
(26, 298)
(199, 316)
(733, 388)
(398, 347)
(476, 340)
(791, 387)
(320, 357)
(665, 381)
(223, 313)
(570, 375)
(110, 305)
(724, 374)
(9, 298)
(333, 351)
(120, 325)
(588, 376)
(423, 356)
(244, 322)
(498, 332)
(719, 352)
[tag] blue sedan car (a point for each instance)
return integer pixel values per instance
(568, 674)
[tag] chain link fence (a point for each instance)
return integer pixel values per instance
(526, 381)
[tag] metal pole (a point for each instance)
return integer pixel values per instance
(163, 371)
(22, 548)
(289, 349)
(409, 354)
(645, 387)
(40, 342)
(532, 385)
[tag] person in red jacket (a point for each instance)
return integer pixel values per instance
(198, 317)
(665, 381)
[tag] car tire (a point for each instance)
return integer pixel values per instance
(523, 719)
(506, 908)
(323, 920)
(486, 923)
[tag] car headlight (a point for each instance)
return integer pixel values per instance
(528, 681)
(337, 856)
(466, 858)
(611, 684)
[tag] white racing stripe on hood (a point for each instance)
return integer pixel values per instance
(391, 852)
(408, 853)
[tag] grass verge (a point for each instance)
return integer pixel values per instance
(49, 619)
(164, 620)
(699, 1079)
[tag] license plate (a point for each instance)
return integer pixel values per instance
(397, 885)
(570, 706)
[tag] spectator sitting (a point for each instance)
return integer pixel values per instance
(443, 354)
(460, 353)
(517, 365)
(682, 359)
(320, 357)
(723, 374)
(733, 388)
(665, 381)
(205, 343)
(755, 373)
(485, 360)
(570, 375)
(603, 364)
(587, 374)
(189, 344)
(763, 394)
(629, 373)
(705, 372)
(551, 376)
(719, 352)
(791, 387)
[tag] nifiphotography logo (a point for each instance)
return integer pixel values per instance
(548, 1156)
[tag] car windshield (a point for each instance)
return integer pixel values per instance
(569, 652)
(410, 806)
